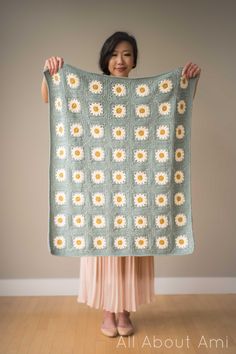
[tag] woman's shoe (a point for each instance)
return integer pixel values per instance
(125, 330)
(109, 332)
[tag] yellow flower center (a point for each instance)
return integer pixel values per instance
(161, 242)
(140, 155)
(140, 199)
(78, 242)
(59, 242)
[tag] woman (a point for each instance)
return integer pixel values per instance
(116, 284)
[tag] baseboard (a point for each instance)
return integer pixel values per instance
(70, 286)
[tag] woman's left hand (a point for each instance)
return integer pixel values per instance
(191, 70)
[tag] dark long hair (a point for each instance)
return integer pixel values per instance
(109, 46)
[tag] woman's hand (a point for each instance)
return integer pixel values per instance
(191, 70)
(53, 64)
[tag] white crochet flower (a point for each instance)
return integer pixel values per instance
(179, 198)
(78, 199)
(78, 176)
(118, 177)
(142, 111)
(164, 108)
(77, 153)
(161, 200)
(180, 219)
(141, 133)
(141, 242)
(179, 154)
(119, 89)
(97, 154)
(99, 242)
(161, 178)
(60, 220)
(61, 175)
(98, 176)
(98, 199)
(140, 221)
(118, 133)
(179, 177)
(181, 106)
(181, 241)
(119, 111)
(72, 80)
(120, 242)
(119, 222)
(60, 129)
(60, 198)
(162, 242)
(99, 221)
(183, 82)
(95, 86)
(140, 200)
(76, 129)
(119, 155)
(59, 242)
(140, 155)
(180, 131)
(142, 90)
(162, 221)
(96, 109)
(165, 86)
(56, 79)
(79, 242)
(140, 177)
(161, 155)
(61, 152)
(78, 220)
(58, 104)
(119, 199)
(74, 105)
(97, 131)
(163, 132)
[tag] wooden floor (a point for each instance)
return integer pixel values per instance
(171, 324)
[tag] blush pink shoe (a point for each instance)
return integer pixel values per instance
(125, 330)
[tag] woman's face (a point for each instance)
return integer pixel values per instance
(122, 60)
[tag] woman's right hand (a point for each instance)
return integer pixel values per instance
(53, 64)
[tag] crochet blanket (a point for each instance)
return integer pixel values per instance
(119, 173)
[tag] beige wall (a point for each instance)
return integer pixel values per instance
(169, 33)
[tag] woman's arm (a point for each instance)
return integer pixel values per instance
(44, 91)
(191, 70)
(53, 64)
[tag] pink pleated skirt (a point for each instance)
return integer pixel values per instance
(116, 283)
